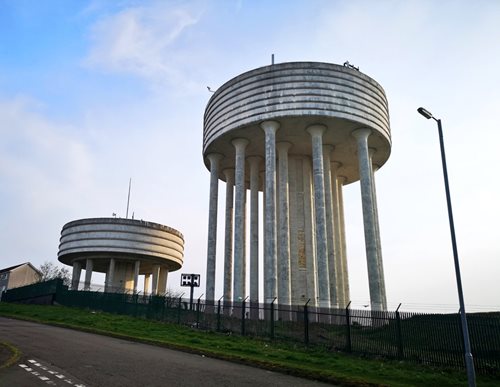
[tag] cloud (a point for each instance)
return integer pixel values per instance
(46, 172)
(142, 40)
(40, 161)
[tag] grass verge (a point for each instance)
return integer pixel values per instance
(340, 369)
(10, 354)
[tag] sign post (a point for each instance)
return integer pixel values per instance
(193, 281)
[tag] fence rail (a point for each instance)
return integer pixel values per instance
(417, 337)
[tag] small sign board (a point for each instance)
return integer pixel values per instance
(192, 280)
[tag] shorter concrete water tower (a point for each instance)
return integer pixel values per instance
(123, 249)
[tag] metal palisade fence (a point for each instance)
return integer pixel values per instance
(417, 337)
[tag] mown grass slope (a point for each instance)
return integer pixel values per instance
(297, 360)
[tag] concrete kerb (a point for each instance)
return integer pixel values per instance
(15, 355)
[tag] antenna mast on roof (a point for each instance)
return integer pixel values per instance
(128, 199)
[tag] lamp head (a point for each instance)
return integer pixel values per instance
(425, 113)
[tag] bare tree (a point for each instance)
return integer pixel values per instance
(51, 271)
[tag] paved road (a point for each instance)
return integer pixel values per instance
(63, 357)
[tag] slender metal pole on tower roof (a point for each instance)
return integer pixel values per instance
(128, 199)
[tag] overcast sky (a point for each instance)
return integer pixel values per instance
(95, 92)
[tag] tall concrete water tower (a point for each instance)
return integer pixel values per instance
(124, 249)
(298, 132)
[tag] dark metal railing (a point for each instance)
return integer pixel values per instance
(416, 337)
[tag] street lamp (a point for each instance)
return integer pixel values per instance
(469, 362)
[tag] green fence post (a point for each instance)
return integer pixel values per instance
(179, 309)
(60, 289)
(400, 335)
(348, 327)
(136, 302)
(272, 318)
(218, 314)
(306, 323)
(198, 312)
(163, 307)
(243, 304)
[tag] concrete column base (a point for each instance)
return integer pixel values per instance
(137, 268)
(156, 277)
(162, 281)
(89, 266)
(77, 271)
(147, 280)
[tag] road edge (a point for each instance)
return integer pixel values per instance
(269, 366)
(15, 355)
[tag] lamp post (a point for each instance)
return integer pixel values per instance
(469, 362)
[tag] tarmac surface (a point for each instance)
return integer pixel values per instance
(64, 357)
(5, 354)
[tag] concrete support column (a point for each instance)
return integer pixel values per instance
(332, 266)
(228, 240)
(147, 279)
(316, 132)
(380, 262)
(270, 283)
(284, 297)
(337, 239)
(309, 232)
(262, 178)
(365, 173)
(239, 280)
(75, 278)
(214, 159)
(254, 162)
(110, 275)
(156, 277)
(298, 290)
(89, 266)
(162, 281)
(345, 270)
(137, 268)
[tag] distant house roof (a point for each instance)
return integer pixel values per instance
(9, 269)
